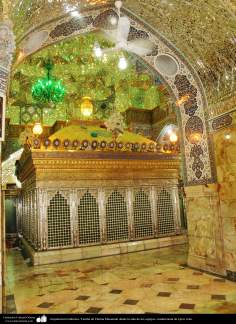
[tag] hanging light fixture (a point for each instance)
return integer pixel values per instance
(86, 107)
(122, 63)
(173, 137)
(48, 89)
(37, 129)
(97, 50)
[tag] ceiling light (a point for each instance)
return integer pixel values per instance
(118, 4)
(113, 20)
(75, 14)
(105, 58)
(48, 89)
(97, 50)
(70, 9)
(37, 129)
(173, 138)
(227, 136)
(86, 107)
(122, 63)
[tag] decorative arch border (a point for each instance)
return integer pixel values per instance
(197, 157)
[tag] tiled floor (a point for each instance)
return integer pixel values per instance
(145, 282)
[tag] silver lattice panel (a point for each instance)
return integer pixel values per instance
(19, 214)
(143, 223)
(59, 227)
(165, 213)
(26, 223)
(88, 220)
(23, 215)
(34, 225)
(117, 218)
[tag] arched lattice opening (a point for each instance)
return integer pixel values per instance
(165, 213)
(88, 220)
(143, 224)
(59, 226)
(117, 218)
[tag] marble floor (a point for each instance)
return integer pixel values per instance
(156, 281)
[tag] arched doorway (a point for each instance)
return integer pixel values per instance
(178, 75)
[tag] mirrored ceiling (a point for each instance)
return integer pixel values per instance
(203, 30)
(85, 75)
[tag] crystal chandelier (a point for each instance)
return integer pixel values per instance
(48, 89)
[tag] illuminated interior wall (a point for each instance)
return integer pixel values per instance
(225, 152)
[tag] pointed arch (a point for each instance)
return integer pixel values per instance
(182, 81)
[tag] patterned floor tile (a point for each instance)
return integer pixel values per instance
(116, 291)
(131, 302)
(187, 306)
(82, 298)
(164, 294)
(218, 297)
(45, 305)
(193, 287)
(197, 273)
(93, 310)
(146, 285)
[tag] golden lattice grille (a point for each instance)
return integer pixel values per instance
(88, 220)
(117, 218)
(51, 219)
(143, 223)
(26, 219)
(165, 213)
(59, 226)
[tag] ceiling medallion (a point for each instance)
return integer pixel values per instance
(48, 89)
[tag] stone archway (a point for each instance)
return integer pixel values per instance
(176, 72)
(197, 156)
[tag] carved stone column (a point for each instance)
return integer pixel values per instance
(228, 212)
(206, 249)
(7, 47)
(225, 152)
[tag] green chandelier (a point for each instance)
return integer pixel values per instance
(48, 89)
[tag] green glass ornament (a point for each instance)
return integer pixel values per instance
(48, 89)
